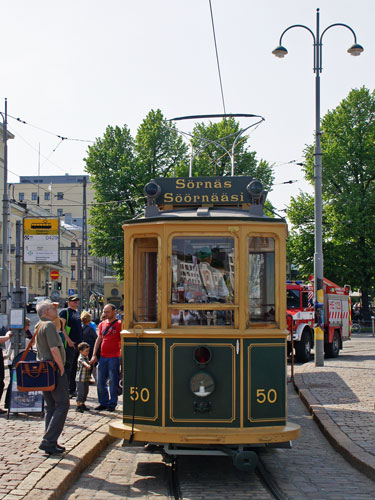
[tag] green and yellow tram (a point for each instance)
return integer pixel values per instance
(204, 344)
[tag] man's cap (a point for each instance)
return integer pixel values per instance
(204, 253)
(72, 298)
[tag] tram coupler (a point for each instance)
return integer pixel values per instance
(243, 460)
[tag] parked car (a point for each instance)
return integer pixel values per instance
(31, 306)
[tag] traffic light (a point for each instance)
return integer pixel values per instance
(59, 285)
(50, 285)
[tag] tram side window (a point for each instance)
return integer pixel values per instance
(145, 279)
(261, 279)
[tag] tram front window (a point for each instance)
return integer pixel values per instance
(202, 273)
(261, 279)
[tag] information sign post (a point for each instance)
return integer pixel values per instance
(41, 240)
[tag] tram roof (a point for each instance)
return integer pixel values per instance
(205, 214)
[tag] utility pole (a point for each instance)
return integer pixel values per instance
(84, 247)
(18, 295)
(4, 274)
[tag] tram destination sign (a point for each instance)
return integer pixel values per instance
(198, 191)
(41, 240)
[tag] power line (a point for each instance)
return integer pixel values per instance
(217, 56)
(63, 138)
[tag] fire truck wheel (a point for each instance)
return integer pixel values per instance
(332, 350)
(303, 347)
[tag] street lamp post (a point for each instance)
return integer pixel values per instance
(4, 273)
(280, 51)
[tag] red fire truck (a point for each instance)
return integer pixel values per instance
(300, 318)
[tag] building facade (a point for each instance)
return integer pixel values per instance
(69, 197)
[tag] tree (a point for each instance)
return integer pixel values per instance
(112, 167)
(348, 148)
(159, 149)
(119, 168)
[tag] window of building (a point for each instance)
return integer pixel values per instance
(73, 245)
(60, 196)
(261, 279)
(60, 212)
(73, 272)
(34, 196)
(89, 273)
(47, 195)
(21, 196)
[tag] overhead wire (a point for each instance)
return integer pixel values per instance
(36, 150)
(217, 56)
(63, 138)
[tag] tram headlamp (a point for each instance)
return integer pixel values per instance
(255, 188)
(202, 384)
(152, 190)
(202, 355)
(257, 197)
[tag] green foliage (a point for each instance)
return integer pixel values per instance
(120, 167)
(348, 148)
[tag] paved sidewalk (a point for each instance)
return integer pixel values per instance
(340, 395)
(341, 398)
(25, 472)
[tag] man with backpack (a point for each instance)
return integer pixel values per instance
(109, 341)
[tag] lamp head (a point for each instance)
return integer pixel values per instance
(152, 190)
(280, 52)
(355, 49)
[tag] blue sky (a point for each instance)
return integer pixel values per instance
(73, 67)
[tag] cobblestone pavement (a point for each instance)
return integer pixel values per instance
(313, 469)
(129, 473)
(340, 395)
(26, 472)
(123, 473)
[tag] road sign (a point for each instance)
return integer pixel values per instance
(55, 295)
(54, 275)
(41, 240)
(71, 291)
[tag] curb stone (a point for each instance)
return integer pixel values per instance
(356, 456)
(58, 480)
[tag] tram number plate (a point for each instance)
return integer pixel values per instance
(142, 394)
(264, 396)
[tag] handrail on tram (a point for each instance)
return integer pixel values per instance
(216, 142)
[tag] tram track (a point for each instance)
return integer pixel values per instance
(173, 483)
(269, 482)
(190, 477)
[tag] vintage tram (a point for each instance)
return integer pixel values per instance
(204, 344)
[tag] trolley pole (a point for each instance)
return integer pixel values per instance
(280, 51)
